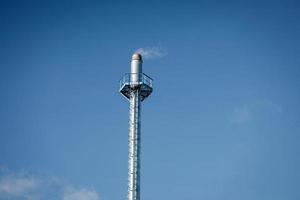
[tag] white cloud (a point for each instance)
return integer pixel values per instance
(80, 194)
(15, 186)
(18, 186)
(152, 52)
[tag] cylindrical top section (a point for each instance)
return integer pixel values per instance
(136, 68)
(136, 56)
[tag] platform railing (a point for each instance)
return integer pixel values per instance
(130, 79)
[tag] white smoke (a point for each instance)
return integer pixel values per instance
(151, 52)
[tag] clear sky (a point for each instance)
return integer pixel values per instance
(223, 122)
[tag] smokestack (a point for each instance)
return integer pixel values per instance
(136, 68)
(135, 87)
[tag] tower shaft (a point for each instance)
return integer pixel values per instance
(136, 87)
(134, 145)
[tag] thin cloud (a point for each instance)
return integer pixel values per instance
(80, 194)
(241, 115)
(259, 110)
(152, 52)
(18, 186)
(14, 186)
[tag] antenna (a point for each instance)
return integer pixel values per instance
(136, 87)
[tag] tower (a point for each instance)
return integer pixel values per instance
(136, 87)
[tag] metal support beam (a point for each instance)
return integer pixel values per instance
(134, 145)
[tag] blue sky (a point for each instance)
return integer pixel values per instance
(222, 123)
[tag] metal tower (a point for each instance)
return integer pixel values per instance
(136, 87)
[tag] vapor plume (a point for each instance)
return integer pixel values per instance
(151, 52)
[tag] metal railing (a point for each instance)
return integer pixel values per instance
(130, 78)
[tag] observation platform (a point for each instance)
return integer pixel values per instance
(129, 84)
